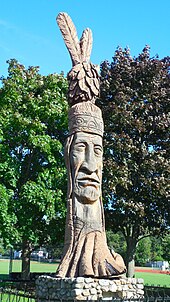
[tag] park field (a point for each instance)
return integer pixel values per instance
(156, 279)
(36, 266)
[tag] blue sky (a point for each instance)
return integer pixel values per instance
(29, 32)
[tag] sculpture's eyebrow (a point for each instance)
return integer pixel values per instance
(81, 140)
(86, 140)
(96, 142)
(98, 145)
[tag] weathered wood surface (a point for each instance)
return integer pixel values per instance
(86, 252)
(83, 78)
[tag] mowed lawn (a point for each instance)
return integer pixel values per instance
(154, 279)
(40, 267)
(35, 266)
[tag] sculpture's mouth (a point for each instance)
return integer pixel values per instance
(88, 181)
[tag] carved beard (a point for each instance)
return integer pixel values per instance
(87, 194)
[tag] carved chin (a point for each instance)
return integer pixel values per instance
(88, 194)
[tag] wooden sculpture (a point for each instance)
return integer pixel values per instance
(85, 251)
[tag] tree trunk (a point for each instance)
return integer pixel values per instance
(86, 252)
(130, 256)
(26, 253)
(10, 261)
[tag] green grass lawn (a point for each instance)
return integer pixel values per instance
(154, 279)
(149, 278)
(35, 266)
(14, 298)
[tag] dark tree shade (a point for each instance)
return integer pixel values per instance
(135, 98)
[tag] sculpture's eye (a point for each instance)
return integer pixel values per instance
(98, 150)
(79, 147)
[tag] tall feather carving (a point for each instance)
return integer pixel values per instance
(83, 77)
(69, 33)
(86, 44)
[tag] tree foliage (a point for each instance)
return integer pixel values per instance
(143, 252)
(151, 249)
(116, 242)
(135, 96)
(166, 248)
(33, 125)
(157, 250)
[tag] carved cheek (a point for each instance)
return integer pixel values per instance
(77, 159)
(99, 168)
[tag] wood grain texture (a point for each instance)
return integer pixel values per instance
(69, 33)
(86, 45)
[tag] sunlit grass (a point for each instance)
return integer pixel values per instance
(41, 267)
(15, 298)
(154, 279)
(35, 266)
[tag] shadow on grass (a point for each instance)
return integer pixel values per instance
(4, 277)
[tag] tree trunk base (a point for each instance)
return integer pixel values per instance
(90, 256)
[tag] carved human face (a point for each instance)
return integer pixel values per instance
(86, 166)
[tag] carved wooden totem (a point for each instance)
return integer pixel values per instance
(85, 251)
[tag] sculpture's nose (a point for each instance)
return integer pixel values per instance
(89, 163)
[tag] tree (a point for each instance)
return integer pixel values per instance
(135, 95)
(7, 218)
(143, 251)
(116, 242)
(33, 123)
(166, 248)
(160, 248)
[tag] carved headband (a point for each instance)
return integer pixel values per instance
(85, 117)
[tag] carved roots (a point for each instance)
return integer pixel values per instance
(90, 256)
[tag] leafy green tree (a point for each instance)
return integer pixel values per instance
(153, 249)
(116, 241)
(7, 217)
(2, 250)
(143, 251)
(33, 123)
(166, 247)
(156, 248)
(135, 96)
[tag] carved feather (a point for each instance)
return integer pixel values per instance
(83, 86)
(86, 44)
(69, 33)
(81, 74)
(96, 83)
